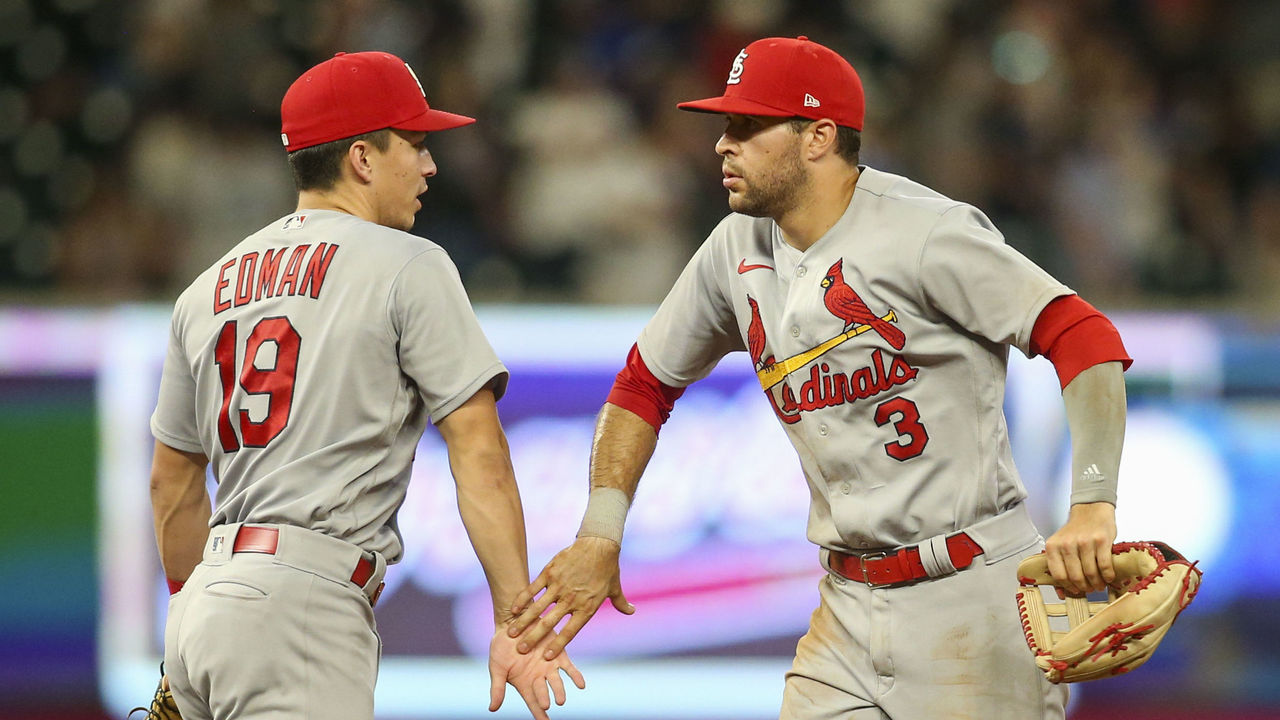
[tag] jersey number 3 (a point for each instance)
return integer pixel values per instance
(276, 383)
(905, 416)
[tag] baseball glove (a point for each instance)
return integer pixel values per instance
(1153, 584)
(163, 706)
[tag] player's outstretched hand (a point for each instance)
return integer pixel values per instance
(1079, 554)
(530, 674)
(574, 583)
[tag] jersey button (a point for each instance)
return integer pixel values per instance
(845, 488)
(822, 430)
(795, 331)
(800, 271)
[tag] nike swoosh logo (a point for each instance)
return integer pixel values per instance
(744, 267)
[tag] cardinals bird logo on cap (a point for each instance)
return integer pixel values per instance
(735, 72)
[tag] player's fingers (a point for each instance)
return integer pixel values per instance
(540, 628)
(1060, 567)
(552, 617)
(497, 691)
(541, 694)
(1090, 566)
(523, 597)
(1106, 563)
(557, 687)
(567, 633)
(522, 623)
(1074, 581)
(531, 637)
(574, 673)
(536, 709)
(529, 611)
(619, 600)
(1057, 569)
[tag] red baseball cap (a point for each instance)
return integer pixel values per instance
(785, 77)
(354, 93)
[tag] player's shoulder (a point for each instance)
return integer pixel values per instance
(913, 204)
(740, 233)
(903, 194)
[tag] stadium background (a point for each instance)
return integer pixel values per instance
(1130, 147)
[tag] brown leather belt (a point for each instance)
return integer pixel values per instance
(901, 566)
(265, 540)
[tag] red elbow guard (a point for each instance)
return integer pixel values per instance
(636, 389)
(1075, 336)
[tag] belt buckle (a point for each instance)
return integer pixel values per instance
(862, 563)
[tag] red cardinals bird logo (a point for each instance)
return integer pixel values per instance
(755, 337)
(844, 303)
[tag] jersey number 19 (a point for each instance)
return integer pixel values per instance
(276, 383)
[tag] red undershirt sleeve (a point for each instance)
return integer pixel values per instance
(636, 389)
(1075, 336)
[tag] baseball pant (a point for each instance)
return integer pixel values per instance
(273, 637)
(948, 648)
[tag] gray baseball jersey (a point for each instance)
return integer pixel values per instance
(306, 363)
(882, 348)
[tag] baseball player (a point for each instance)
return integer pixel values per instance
(877, 314)
(305, 365)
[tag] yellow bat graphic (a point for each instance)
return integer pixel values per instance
(773, 374)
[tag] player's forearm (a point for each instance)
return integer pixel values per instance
(180, 508)
(488, 499)
(1095, 404)
(623, 444)
(490, 508)
(621, 449)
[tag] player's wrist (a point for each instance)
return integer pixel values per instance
(606, 514)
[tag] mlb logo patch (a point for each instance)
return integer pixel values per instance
(217, 544)
(294, 222)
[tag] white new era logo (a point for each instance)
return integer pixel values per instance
(811, 101)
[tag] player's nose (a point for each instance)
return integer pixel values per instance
(427, 165)
(726, 146)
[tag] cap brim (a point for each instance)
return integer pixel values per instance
(729, 105)
(433, 120)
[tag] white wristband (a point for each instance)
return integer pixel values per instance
(606, 514)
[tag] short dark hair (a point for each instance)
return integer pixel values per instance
(848, 140)
(318, 167)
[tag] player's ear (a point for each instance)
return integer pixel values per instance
(359, 161)
(821, 135)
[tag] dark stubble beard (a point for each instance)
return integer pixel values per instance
(772, 195)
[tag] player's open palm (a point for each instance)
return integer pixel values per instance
(574, 583)
(530, 674)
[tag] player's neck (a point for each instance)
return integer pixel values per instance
(337, 200)
(818, 210)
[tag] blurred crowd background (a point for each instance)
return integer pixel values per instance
(1131, 147)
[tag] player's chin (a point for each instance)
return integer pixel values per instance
(740, 204)
(406, 223)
